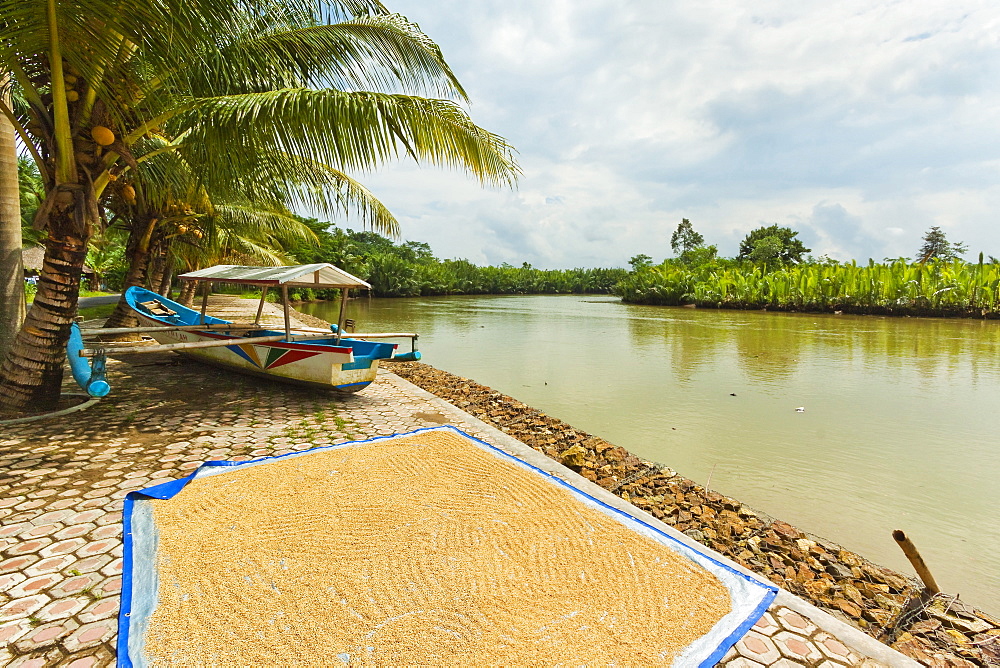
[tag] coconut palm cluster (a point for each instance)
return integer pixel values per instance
(195, 128)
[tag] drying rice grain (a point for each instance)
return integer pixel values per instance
(418, 549)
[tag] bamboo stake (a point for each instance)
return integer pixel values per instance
(910, 550)
(91, 352)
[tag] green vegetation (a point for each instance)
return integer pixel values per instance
(96, 312)
(770, 273)
(938, 287)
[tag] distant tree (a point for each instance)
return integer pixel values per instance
(699, 256)
(417, 251)
(936, 245)
(640, 261)
(766, 249)
(685, 238)
(758, 246)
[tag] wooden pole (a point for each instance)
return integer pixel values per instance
(260, 307)
(910, 550)
(190, 345)
(204, 300)
(343, 309)
(284, 299)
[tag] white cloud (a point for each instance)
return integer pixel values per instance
(859, 123)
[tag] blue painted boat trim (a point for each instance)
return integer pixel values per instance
(170, 489)
(360, 386)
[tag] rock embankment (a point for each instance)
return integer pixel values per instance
(888, 606)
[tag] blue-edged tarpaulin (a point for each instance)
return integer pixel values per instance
(749, 597)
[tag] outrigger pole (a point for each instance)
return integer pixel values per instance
(165, 328)
(93, 352)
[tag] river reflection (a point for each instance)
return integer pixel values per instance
(898, 429)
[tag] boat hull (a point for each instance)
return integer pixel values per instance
(347, 367)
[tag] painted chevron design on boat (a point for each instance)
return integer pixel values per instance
(248, 352)
(275, 356)
(288, 356)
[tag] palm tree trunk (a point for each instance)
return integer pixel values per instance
(186, 296)
(137, 252)
(166, 277)
(31, 374)
(12, 308)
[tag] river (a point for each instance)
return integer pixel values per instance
(898, 427)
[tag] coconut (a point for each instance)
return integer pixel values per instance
(72, 95)
(128, 192)
(102, 135)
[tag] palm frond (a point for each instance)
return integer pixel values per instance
(353, 131)
(386, 53)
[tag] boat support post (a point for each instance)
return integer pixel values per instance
(204, 301)
(260, 307)
(343, 307)
(288, 322)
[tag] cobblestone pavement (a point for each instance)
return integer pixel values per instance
(62, 482)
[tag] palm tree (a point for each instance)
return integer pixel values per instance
(166, 197)
(11, 271)
(31, 193)
(233, 78)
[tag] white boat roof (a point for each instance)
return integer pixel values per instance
(318, 276)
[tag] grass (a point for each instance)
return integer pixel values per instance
(91, 594)
(97, 312)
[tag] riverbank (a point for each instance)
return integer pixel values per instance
(64, 478)
(883, 603)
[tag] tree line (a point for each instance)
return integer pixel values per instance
(410, 268)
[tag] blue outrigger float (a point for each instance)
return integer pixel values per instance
(303, 356)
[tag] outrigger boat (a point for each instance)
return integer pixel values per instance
(303, 356)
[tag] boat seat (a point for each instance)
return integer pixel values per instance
(156, 307)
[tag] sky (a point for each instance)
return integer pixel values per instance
(858, 123)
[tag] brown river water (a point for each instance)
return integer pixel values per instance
(899, 427)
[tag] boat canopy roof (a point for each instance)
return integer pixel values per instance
(317, 276)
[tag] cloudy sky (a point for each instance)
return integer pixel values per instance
(859, 123)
